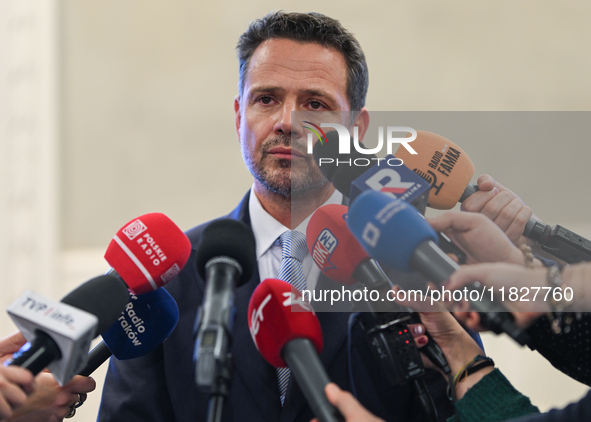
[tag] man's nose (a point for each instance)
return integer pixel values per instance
(285, 124)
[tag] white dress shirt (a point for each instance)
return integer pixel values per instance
(266, 231)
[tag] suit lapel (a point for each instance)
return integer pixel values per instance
(257, 375)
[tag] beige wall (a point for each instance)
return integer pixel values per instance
(146, 118)
(148, 88)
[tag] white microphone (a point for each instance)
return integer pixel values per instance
(60, 332)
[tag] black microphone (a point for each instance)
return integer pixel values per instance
(60, 333)
(226, 259)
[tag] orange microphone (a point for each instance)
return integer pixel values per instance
(449, 169)
(444, 165)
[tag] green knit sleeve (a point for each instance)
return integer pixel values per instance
(492, 399)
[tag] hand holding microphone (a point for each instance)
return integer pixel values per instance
(478, 236)
(145, 254)
(505, 208)
(50, 401)
(16, 384)
(60, 332)
(63, 350)
(449, 170)
(340, 256)
(394, 233)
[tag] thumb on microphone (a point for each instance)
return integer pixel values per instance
(11, 344)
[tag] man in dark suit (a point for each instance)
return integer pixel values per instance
(288, 62)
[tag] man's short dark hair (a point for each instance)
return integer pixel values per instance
(313, 28)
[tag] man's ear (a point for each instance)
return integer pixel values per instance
(237, 115)
(362, 122)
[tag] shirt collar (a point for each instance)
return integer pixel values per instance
(267, 229)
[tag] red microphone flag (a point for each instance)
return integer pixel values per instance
(148, 252)
(332, 246)
(273, 324)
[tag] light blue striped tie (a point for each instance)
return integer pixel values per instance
(293, 251)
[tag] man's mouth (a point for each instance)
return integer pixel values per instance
(285, 153)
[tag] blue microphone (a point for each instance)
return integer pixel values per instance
(393, 232)
(147, 320)
(390, 230)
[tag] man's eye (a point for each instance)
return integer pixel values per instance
(265, 100)
(315, 105)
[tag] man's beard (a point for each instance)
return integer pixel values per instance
(280, 178)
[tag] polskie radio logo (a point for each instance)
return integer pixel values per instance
(134, 229)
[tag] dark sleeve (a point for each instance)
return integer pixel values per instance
(135, 390)
(568, 351)
(492, 399)
(579, 411)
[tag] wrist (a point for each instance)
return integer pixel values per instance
(470, 374)
(462, 354)
(471, 380)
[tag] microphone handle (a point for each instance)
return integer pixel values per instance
(370, 274)
(302, 359)
(96, 357)
(215, 319)
(42, 352)
(566, 245)
(435, 265)
(470, 189)
(557, 241)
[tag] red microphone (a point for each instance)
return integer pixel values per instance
(148, 252)
(339, 255)
(287, 333)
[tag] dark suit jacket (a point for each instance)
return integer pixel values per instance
(161, 386)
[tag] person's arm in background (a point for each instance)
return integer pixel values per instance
(566, 349)
(482, 241)
(482, 396)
